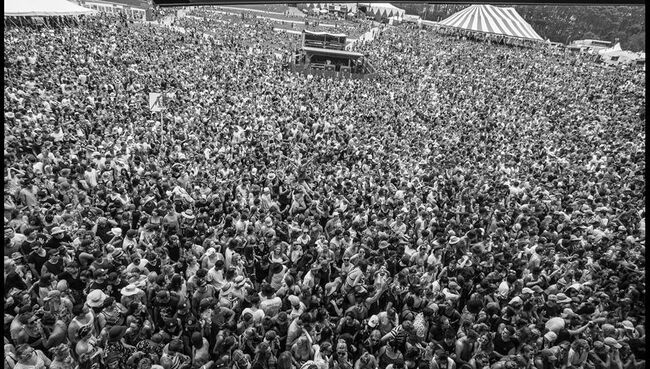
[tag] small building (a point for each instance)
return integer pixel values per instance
(324, 54)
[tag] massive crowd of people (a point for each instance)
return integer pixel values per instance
(477, 206)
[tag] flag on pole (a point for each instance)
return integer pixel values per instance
(156, 102)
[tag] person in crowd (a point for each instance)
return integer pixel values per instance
(474, 204)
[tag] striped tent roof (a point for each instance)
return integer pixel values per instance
(492, 19)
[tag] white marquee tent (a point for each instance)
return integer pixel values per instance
(43, 8)
(383, 10)
(492, 19)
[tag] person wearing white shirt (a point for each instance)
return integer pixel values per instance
(216, 275)
(257, 313)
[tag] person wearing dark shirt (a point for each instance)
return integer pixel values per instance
(12, 278)
(70, 274)
(551, 308)
(504, 342)
(54, 265)
(114, 283)
(28, 245)
(174, 248)
(59, 237)
(36, 258)
(99, 280)
(164, 307)
(448, 344)
(103, 229)
(349, 324)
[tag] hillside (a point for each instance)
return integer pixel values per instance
(564, 23)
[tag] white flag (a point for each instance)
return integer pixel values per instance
(156, 102)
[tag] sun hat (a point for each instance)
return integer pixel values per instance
(130, 290)
(550, 336)
(57, 230)
(188, 214)
(516, 301)
(95, 298)
(117, 232)
(612, 342)
(563, 299)
(575, 286)
(454, 240)
(527, 290)
(117, 253)
(568, 313)
(627, 325)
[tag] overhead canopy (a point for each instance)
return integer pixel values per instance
(383, 10)
(492, 19)
(43, 8)
(331, 6)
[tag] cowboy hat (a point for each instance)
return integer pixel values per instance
(568, 313)
(612, 342)
(117, 253)
(563, 299)
(527, 290)
(188, 214)
(117, 232)
(95, 298)
(130, 290)
(454, 240)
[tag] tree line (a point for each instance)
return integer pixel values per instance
(563, 23)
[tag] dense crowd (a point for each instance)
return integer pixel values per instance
(477, 206)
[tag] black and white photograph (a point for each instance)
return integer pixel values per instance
(203, 184)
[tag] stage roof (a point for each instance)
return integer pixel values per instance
(331, 52)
